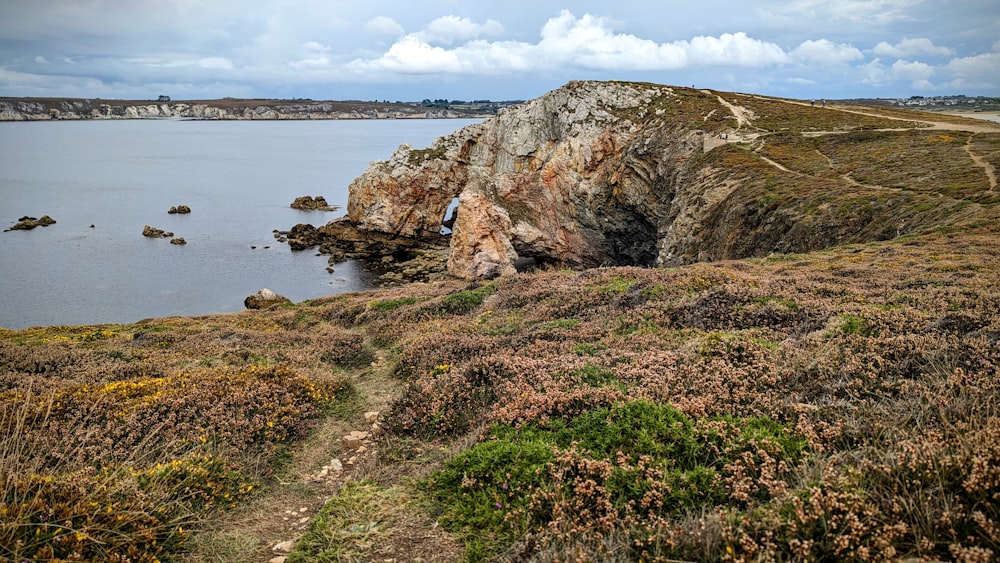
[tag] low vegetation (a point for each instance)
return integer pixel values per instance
(842, 404)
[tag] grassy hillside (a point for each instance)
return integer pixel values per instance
(841, 404)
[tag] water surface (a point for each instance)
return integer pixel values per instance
(102, 181)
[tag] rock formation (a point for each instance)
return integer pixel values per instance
(636, 174)
(27, 223)
(153, 232)
(309, 203)
(264, 299)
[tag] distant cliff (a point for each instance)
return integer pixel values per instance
(643, 174)
(47, 109)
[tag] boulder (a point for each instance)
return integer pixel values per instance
(178, 240)
(309, 203)
(27, 223)
(263, 299)
(183, 209)
(153, 232)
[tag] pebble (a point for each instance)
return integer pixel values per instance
(284, 547)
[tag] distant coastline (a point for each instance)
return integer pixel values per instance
(75, 109)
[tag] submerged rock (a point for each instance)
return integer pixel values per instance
(27, 223)
(178, 240)
(264, 299)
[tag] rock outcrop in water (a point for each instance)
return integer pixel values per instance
(27, 223)
(641, 174)
(309, 203)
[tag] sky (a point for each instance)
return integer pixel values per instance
(410, 50)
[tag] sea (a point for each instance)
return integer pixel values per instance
(103, 181)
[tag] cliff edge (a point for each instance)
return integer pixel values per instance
(613, 173)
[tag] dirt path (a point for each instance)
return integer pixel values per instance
(264, 530)
(991, 173)
(985, 127)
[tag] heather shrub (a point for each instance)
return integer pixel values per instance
(113, 513)
(638, 463)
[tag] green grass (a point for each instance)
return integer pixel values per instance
(350, 523)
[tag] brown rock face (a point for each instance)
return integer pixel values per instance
(556, 179)
(611, 173)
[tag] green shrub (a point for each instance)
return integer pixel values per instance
(465, 301)
(637, 462)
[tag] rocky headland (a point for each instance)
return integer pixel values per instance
(635, 174)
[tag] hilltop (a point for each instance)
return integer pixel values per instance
(775, 336)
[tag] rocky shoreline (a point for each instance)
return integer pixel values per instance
(49, 109)
(396, 258)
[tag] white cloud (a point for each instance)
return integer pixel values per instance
(410, 55)
(978, 69)
(220, 63)
(383, 25)
(824, 51)
(859, 12)
(912, 70)
(567, 41)
(912, 47)
(449, 29)
(875, 73)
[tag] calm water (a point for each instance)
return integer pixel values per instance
(238, 178)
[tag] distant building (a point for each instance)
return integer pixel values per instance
(163, 99)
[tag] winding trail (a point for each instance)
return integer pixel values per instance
(991, 173)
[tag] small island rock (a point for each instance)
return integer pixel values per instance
(264, 299)
(178, 240)
(27, 223)
(309, 203)
(153, 232)
(179, 209)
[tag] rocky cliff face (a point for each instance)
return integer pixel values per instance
(46, 110)
(636, 174)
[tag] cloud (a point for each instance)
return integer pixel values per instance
(911, 47)
(857, 12)
(875, 73)
(587, 42)
(980, 70)
(824, 51)
(912, 70)
(384, 26)
(449, 29)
